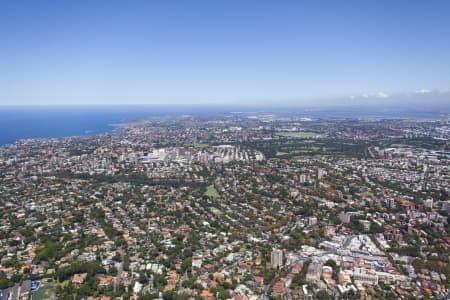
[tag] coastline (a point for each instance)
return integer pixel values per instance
(18, 123)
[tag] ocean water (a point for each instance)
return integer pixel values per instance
(51, 121)
(59, 121)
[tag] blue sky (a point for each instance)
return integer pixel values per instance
(222, 52)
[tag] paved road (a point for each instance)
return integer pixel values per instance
(119, 269)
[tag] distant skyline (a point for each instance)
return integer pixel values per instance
(302, 53)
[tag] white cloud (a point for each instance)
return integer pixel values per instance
(375, 95)
(381, 95)
(423, 91)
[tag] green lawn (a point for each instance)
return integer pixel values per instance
(211, 192)
(198, 145)
(45, 291)
(298, 134)
(302, 151)
(399, 145)
(298, 151)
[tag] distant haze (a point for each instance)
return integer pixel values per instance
(380, 53)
